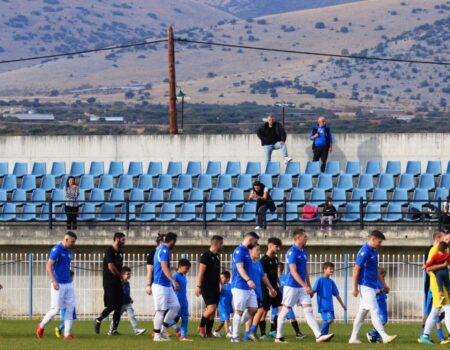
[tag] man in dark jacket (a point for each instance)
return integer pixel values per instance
(273, 136)
(322, 138)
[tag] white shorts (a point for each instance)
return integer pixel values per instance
(63, 298)
(295, 296)
(164, 298)
(243, 299)
(368, 298)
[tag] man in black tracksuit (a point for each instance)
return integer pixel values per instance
(273, 136)
(322, 138)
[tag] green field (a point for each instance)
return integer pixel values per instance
(21, 335)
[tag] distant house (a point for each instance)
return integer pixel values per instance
(31, 116)
(112, 119)
(404, 117)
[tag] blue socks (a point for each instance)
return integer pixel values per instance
(440, 334)
(184, 325)
(61, 326)
(246, 336)
(325, 328)
(253, 329)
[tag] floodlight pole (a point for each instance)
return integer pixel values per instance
(173, 128)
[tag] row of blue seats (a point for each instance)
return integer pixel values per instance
(205, 182)
(214, 168)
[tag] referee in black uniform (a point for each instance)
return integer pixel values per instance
(208, 284)
(112, 283)
(150, 258)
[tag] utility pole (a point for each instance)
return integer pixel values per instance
(173, 128)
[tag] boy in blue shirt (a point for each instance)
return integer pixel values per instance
(184, 266)
(373, 336)
(225, 304)
(325, 288)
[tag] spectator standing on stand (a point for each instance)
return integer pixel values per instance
(322, 139)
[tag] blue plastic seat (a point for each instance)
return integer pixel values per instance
(196, 196)
(325, 182)
(293, 169)
(445, 181)
(208, 213)
(176, 196)
(271, 216)
(44, 215)
(420, 197)
(3, 196)
(277, 195)
(233, 168)
(148, 213)
(317, 197)
(357, 194)
(20, 169)
(187, 213)
(97, 196)
(244, 182)
(366, 182)
(407, 182)
(224, 182)
(297, 197)
(39, 169)
(339, 197)
(58, 169)
(236, 196)
(353, 168)
(38, 197)
(135, 168)
(291, 213)
(164, 182)
(116, 168)
(82, 196)
(284, 182)
(154, 169)
(393, 167)
(266, 180)
(426, 181)
(136, 197)
(413, 167)
(204, 182)
(28, 183)
(48, 183)
(61, 214)
(167, 213)
(125, 182)
(434, 167)
(28, 213)
(216, 197)
(87, 212)
(145, 182)
(248, 213)
(174, 168)
(380, 196)
(409, 214)
(19, 196)
(400, 196)
(57, 197)
(156, 197)
(77, 169)
(106, 182)
(305, 182)
(184, 182)
(442, 194)
(213, 168)
(345, 182)
(97, 169)
(386, 182)
(63, 181)
(107, 212)
(194, 168)
(117, 196)
(273, 168)
(123, 213)
(333, 168)
(373, 167)
(393, 213)
(9, 183)
(448, 168)
(8, 212)
(87, 182)
(373, 212)
(228, 213)
(253, 169)
(4, 169)
(351, 213)
(312, 168)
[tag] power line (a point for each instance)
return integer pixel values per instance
(312, 53)
(109, 48)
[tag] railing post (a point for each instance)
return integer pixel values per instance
(30, 286)
(204, 213)
(361, 213)
(128, 214)
(50, 214)
(346, 287)
(284, 214)
(439, 213)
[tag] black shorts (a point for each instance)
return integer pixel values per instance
(269, 302)
(113, 296)
(210, 297)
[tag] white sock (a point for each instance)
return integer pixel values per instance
(68, 327)
(158, 320)
(312, 323)
(358, 323)
(447, 315)
(171, 314)
(430, 322)
(377, 324)
(281, 319)
(48, 317)
(236, 324)
(245, 317)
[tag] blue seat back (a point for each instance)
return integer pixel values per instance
(333, 168)
(394, 212)
(38, 196)
(325, 182)
(48, 182)
(380, 196)
(273, 168)
(20, 169)
(136, 196)
(373, 212)
(413, 167)
(117, 196)
(236, 196)
(106, 182)
(174, 168)
(97, 168)
(312, 168)
(373, 167)
(116, 168)
(366, 182)
(445, 181)
(353, 168)
(339, 197)
(156, 196)
(28, 183)
(317, 197)
(224, 182)
(58, 196)
(125, 182)
(97, 196)
(393, 167)
(292, 168)
(420, 197)
(434, 167)
(19, 196)
(213, 168)
(400, 196)
(386, 182)
(216, 196)
(277, 195)
(194, 168)
(39, 169)
(204, 182)
(351, 212)
(297, 196)
(87, 212)
(345, 182)
(154, 169)
(253, 168)
(176, 196)
(284, 182)
(244, 182)
(407, 182)
(58, 169)
(9, 183)
(427, 181)
(145, 182)
(196, 196)
(135, 168)
(168, 212)
(233, 168)
(77, 169)
(184, 182)
(164, 182)
(148, 212)
(4, 169)
(228, 212)
(305, 182)
(87, 182)
(107, 212)
(187, 212)
(357, 194)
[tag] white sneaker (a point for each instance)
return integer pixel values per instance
(258, 228)
(157, 337)
(354, 341)
(164, 335)
(323, 338)
(287, 160)
(140, 331)
(229, 335)
(389, 339)
(216, 334)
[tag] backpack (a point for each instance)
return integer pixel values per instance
(309, 212)
(415, 214)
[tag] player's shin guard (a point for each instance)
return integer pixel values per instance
(158, 320)
(311, 321)
(281, 319)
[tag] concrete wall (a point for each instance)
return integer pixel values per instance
(362, 147)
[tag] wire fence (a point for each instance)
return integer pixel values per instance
(26, 292)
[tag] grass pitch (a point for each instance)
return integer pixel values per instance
(21, 335)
